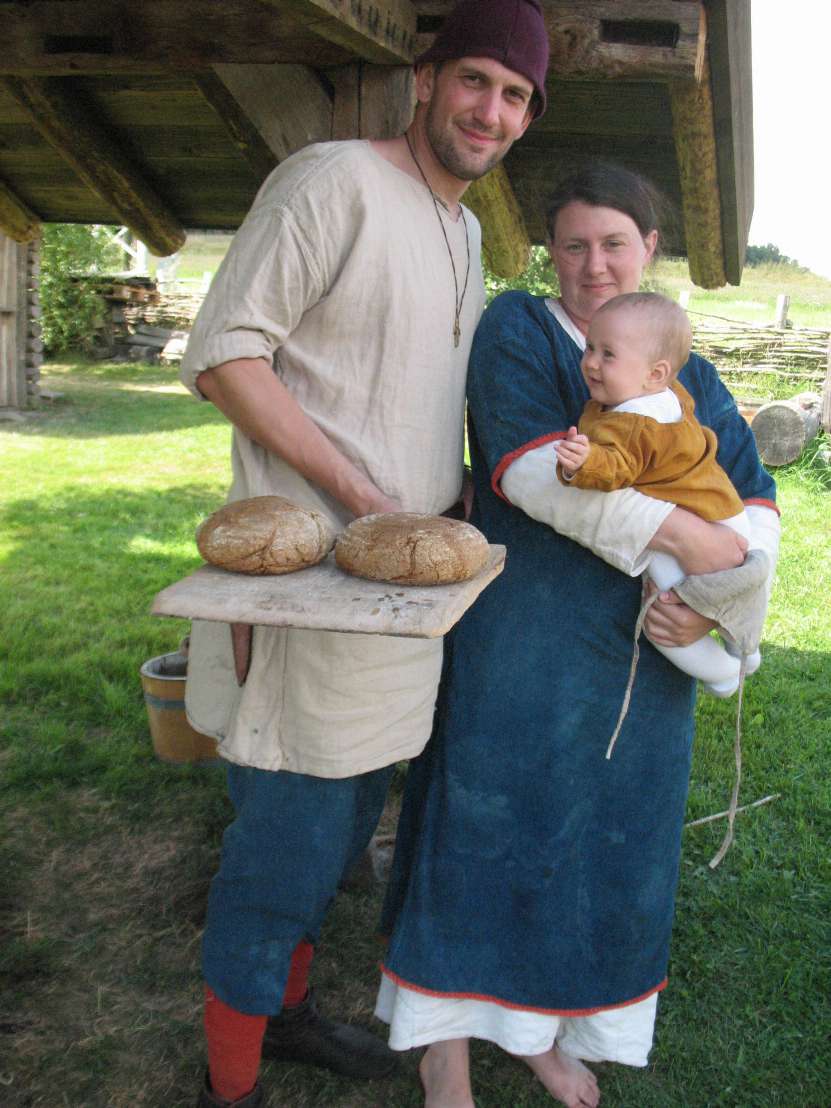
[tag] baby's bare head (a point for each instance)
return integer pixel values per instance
(664, 325)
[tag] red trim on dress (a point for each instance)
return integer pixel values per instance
(520, 1007)
(512, 457)
(765, 504)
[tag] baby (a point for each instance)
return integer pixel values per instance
(639, 430)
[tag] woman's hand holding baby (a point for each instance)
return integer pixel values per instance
(670, 622)
(699, 546)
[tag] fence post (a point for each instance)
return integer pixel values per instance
(825, 416)
(684, 298)
(783, 302)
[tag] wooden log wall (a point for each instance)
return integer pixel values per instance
(32, 356)
(21, 346)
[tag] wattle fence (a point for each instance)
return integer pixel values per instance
(763, 359)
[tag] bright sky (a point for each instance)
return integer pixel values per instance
(792, 129)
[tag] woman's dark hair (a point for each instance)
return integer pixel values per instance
(606, 185)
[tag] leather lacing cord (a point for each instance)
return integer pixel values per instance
(737, 744)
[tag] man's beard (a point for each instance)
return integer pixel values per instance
(465, 169)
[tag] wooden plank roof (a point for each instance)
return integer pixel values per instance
(166, 114)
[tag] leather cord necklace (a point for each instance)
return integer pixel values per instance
(458, 301)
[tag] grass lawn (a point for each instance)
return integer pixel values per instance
(106, 853)
(754, 300)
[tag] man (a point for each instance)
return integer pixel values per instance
(335, 338)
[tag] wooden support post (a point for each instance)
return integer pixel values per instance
(506, 246)
(728, 50)
(346, 109)
(695, 147)
(826, 395)
(387, 100)
(98, 159)
(371, 101)
(13, 308)
(783, 302)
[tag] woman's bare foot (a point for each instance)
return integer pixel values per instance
(567, 1079)
(445, 1075)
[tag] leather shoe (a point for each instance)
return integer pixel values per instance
(302, 1034)
(209, 1099)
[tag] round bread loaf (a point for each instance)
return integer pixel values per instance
(410, 549)
(264, 535)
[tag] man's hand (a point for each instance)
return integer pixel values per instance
(572, 451)
(670, 622)
(381, 505)
(699, 546)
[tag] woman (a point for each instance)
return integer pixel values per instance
(533, 889)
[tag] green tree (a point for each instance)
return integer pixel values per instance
(538, 277)
(72, 309)
(769, 254)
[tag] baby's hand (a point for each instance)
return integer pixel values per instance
(572, 451)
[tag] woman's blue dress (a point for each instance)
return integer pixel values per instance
(530, 869)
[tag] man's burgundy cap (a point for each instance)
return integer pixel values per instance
(511, 32)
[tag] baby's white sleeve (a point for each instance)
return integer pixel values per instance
(616, 526)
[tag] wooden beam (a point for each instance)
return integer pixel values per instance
(17, 220)
(506, 247)
(382, 32)
(730, 67)
(238, 125)
(98, 159)
(695, 147)
(63, 38)
(604, 108)
(270, 111)
(601, 39)
(641, 38)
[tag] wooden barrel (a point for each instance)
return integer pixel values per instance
(174, 740)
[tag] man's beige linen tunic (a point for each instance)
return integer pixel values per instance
(340, 274)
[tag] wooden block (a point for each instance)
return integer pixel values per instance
(175, 347)
(141, 338)
(783, 428)
(156, 332)
(323, 597)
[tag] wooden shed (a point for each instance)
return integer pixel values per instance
(167, 114)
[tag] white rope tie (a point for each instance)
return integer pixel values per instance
(636, 653)
(737, 753)
(737, 745)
